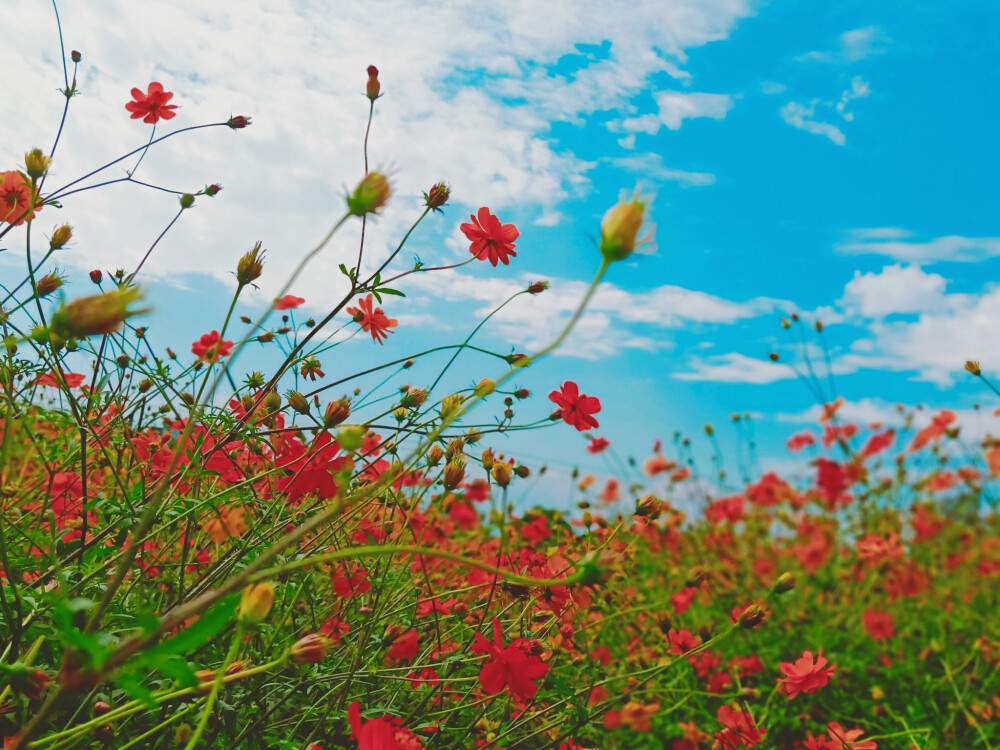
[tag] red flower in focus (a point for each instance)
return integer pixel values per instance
(288, 302)
(804, 675)
(510, 666)
(152, 106)
(878, 625)
(383, 733)
(598, 445)
(490, 239)
(575, 408)
(372, 320)
(739, 729)
(15, 198)
(210, 347)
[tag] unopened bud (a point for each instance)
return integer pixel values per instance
(350, 437)
(501, 474)
(751, 616)
(48, 284)
(186, 200)
(97, 315)
(96, 276)
(373, 87)
(298, 402)
(488, 459)
(451, 404)
(370, 195)
(250, 266)
(472, 436)
(212, 190)
(434, 455)
(973, 367)
(336, 412)
(537, 287)
(36, 163)
(454, 473)
(60, 237)
(484, 387)
(437, 196)
(620, 228)
(309, 649)
(238, 122)
(773, 356)
(75, 56)
(256, 602)
(522, 471)
(784, 584)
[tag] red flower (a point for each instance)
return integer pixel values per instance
(739, 729)
(490, 239)
(152, 106)
(804, 675)
(73, 379)
(682, 641)
(510, 666)
(799, 440)
(288, 302)
(878, 625)
(598, 445)
(939, 423)
(848, 738)
(372, 320)
(878, 442)
(15, 198)
(210, 347)
(404, 647)
(575, 408)
(383, 733)
(350, 580)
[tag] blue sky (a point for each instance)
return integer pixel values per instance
(835, 160)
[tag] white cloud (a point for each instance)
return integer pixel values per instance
(612, 321)
(802, 116)
(859, 90)
(649, 166)
(904, 245)
(674, 108)
(894, 289)
(449, 77)
(735, 368)
(851, 46)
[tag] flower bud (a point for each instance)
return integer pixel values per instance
(256, 602)
(36, 163)
(75, 56)
(186, 200)
(96, 276)
(537, 287)
(60, 237)
(298, 402)
(336, 412)
(454, 473)
(309, 649)
(434, 455)
(784, 584)
(370, 195)
(373, 87)
(773, 356)
(250, 266)
(437, 196)
(351, 437)
(48, 284)
(751, 616)
(973, 367)
(413, 397)
(472, 436)
(97, 315)
(484, 388)
(620, 228)
(522, 471)
(451, 404)
(488, 459)
(212, 190)
(238, 122)
(501, 473)
(100, 708)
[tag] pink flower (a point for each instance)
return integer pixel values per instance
(490, 239)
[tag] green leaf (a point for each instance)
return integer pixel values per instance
(209, 625)
(394, 292)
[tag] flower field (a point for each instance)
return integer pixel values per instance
(194, 554)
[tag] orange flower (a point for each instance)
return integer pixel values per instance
(490, 239)
(934, 430)
(227, 523)
(16, 198)
(372, 320)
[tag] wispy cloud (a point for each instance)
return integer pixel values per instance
(734, 368)
(905, 245)
(674, 108)
(851, 46)
(650, 166)
(814, 117)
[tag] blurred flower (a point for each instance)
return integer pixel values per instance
(288, 302)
